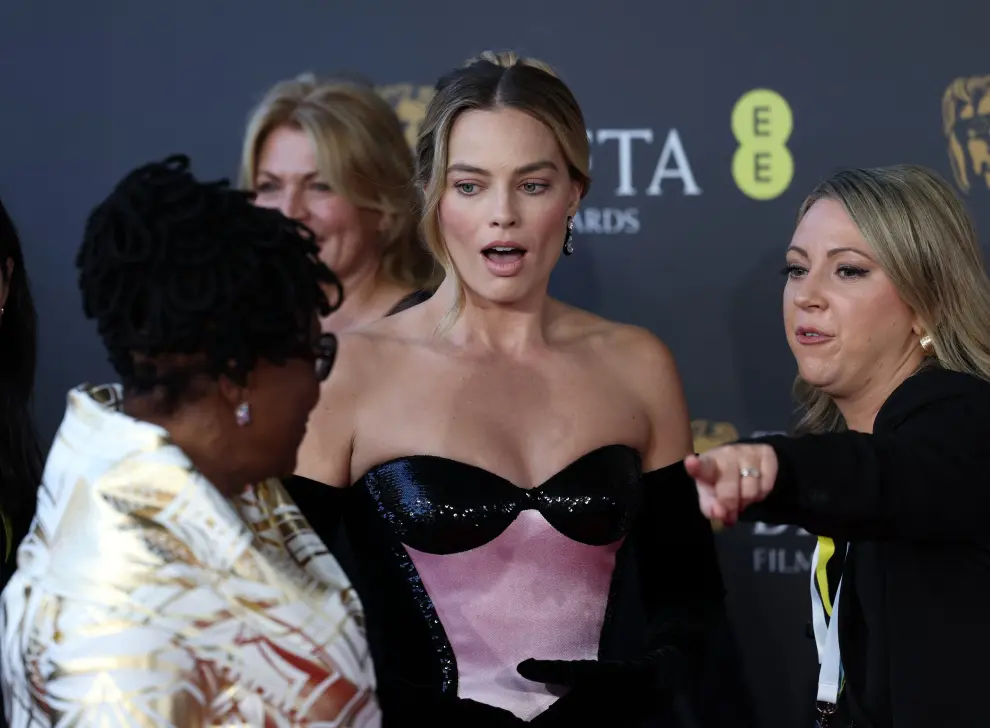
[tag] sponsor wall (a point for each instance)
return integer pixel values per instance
(708, 121)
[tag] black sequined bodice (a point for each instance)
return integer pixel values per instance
(444, 506)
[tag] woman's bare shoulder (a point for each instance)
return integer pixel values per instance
(629, 345)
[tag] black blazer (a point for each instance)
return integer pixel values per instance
(913, 499)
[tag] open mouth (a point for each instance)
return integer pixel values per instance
(808, 335)
(504, 253)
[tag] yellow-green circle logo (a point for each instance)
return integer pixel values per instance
(762, 123)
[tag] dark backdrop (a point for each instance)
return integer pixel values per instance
(90, 89)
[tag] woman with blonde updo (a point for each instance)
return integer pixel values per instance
(332, 155)
(507, 464)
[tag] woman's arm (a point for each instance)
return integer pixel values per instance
(676, 562)
(921, 475)
(136, 675)
(677, 559)
(325, 452)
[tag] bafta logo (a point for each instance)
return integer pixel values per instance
(712, 434)
(966, 125)
(706, 435)
(410, 102)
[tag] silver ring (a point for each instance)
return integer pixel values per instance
(749, 472)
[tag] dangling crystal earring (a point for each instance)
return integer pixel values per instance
(568, 245)
(243, 414)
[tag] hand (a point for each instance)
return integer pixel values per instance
(600, 692)
(464, 711)
(402, 698)
(731, 477)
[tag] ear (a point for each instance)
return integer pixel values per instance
(384, 222)
(577, 192)
(232, 393)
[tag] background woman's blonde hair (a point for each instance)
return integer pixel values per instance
(490, 81)
(363, 155)
(922, 235)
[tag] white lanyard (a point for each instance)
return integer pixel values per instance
(826, 639)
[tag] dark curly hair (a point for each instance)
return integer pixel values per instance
(173, 266)
(20, 454)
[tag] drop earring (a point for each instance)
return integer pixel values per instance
(243, 414)
(568, 245)
(927, 345)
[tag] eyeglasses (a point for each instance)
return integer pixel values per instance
(325, 351)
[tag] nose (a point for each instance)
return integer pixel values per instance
(810, 293)
(292, 205)
(504, 212)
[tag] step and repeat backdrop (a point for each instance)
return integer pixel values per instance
(709, 121)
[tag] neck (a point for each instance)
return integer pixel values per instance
(507, 328)
(197, 441)
(366, 298)
(860, 410)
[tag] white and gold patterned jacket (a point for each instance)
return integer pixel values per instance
(143, 597)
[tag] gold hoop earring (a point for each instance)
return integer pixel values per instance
(927, 345)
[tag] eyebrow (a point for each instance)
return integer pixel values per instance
(267, 173)
(525, 169)
(831, 253)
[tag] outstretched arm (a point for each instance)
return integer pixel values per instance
(920, 476)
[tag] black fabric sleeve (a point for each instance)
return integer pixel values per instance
(678, 567)
(682, 592)
(321, 505)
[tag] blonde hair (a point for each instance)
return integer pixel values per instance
(363, 155)
(490, 81)
(922, 235)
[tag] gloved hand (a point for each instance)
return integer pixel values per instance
(404, 702)
(466, 713)
(600, 692)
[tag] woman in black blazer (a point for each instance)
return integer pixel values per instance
(887, 311)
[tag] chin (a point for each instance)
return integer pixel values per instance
(819, 379)
(507, 291)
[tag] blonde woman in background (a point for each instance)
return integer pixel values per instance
(332, 155)
(510, 466)
(887, 311)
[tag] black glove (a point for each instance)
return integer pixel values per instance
(681, 584)
(404, 703)
(600, 692)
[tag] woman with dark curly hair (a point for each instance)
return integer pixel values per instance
(154, 589)
(20, 455)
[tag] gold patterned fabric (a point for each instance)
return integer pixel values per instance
(143, 597)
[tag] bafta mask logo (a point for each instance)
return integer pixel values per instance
(410, 102)
(707, 435)
(966, 124)
(712, 434)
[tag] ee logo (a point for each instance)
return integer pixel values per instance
(762, 122)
